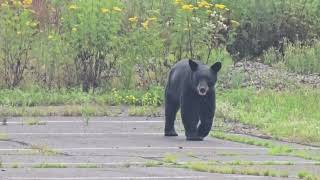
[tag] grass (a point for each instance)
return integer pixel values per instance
(292, 115)
(87, 166)
(251, 163)
(3, 137)
(242, 139)
(273, 149)
(153, 163)
(170, 158)
(64, 110)
(33, 121)
(42, 97)
(144, 111)
(44, 150)
(307, 176)
(298, 58)
(15, 166)
(49, 165)
(229, 169)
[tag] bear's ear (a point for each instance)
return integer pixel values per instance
(216, 67)
(193, 65)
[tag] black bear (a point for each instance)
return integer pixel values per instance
(191, 86)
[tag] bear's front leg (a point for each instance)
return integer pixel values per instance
(190, 118)
(171, 108)
(206, 115)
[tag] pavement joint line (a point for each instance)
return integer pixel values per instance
(91, 121)
(68, 134)
(246, 176)
(137, 148)
(79, 163)
(148, 147)
(107, 177)
(142, 163)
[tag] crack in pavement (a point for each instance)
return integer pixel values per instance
(33, 146)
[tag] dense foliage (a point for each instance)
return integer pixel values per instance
(133, 43)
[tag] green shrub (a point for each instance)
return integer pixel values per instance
(17, 34)
(299, 58)
(265, 24)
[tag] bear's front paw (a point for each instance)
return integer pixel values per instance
(194, 138)
(170, 133)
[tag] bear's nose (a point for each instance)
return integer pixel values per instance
(202, 90)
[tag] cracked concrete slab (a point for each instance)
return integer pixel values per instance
(120, 146)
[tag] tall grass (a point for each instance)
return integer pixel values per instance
(42, 97)
(299, 58)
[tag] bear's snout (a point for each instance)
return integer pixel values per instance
(202, 88)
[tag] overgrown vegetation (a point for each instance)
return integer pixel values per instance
(228, 169)
(300, 58)
(33, 122)
(144, 111)
(273, 149)
(44, 150)
(291, 115)
(3, 136)
(42, 97)
(266, 24)
(86, 55)
(51, 165)
(307, 176)
(91, 44)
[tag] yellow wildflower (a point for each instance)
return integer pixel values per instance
(179, 2)
(152, 18)
(5, 4)
(50, 37)
(74, 29)
(73, 7)
(104, 10)
(204, 4)
(133, 19)
(18, 3)
(220, 6)
(27, 2)
(235, 23)
(187, 7)
(117, 9)
(34, 24)
(145, 24)
(19, 32)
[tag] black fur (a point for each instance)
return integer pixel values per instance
(190, 87)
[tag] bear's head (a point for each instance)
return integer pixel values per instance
(203, 77)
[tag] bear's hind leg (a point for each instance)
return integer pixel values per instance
(171, 109)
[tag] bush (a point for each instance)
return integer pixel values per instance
(266, 24)
(304, 59)
(17, 32)
(91, 27)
